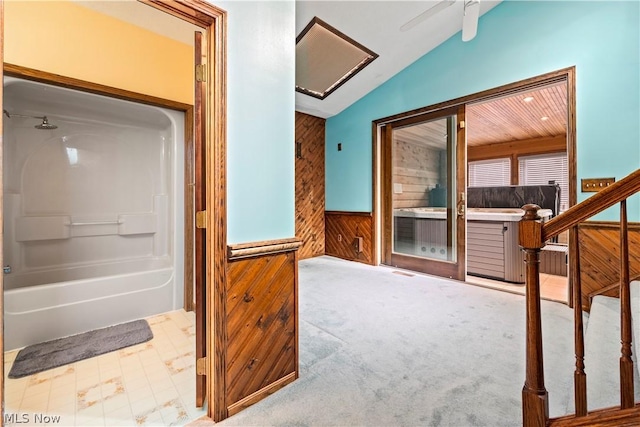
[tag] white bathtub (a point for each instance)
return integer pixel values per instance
(39, 313)
(93, 212)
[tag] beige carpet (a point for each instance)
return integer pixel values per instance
(379, 348)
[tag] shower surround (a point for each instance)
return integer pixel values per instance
(93, 212)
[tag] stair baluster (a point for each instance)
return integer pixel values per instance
(579, 376)
(534, 395)
(626, 364)
(532, 237)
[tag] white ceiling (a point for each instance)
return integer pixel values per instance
(376, 25)
(144, 16)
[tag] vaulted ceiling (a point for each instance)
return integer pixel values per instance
(376, 25)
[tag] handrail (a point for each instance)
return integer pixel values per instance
(595, 204)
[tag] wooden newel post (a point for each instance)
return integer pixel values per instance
(535, 403)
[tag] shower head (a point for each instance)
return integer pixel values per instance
(45, 125)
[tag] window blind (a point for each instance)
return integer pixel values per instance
(540, 169)
(490, 173)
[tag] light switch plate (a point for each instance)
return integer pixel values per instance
(397, 188)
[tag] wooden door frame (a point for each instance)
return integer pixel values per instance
(214, 21)
(567, 75)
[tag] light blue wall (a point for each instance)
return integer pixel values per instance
(260, 127)
(516, 40)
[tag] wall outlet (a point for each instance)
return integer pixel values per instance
(339, 237)
(358, 244)
(397, 188)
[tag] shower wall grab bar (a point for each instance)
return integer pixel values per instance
(54, 227)
(94, 223)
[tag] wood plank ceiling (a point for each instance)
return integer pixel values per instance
(506, 119)
(514, 119)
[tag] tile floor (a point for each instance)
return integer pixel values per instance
(147, 384)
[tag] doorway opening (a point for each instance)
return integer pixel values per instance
(519, 148)
(102, 231)
(212, 125)
(517, 153)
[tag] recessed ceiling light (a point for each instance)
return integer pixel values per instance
(544, 118)
(528, 99)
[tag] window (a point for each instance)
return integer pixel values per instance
(490, 173)
(540, 169)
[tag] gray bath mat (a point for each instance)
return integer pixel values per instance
(51, 354)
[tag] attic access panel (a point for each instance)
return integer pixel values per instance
(326, 59)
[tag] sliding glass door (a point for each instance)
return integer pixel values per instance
(423, 189)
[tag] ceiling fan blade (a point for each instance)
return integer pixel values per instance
(427, 14)
(470, 19)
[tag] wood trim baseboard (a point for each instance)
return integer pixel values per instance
(348, 213)
(261, 394)
(266, 247)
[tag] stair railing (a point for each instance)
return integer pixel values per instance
(533, 234)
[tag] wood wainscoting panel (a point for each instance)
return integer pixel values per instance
(600, 257)
(342, 232)
(310, 184)
(261, 321)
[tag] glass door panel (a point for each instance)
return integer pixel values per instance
(424, 186)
